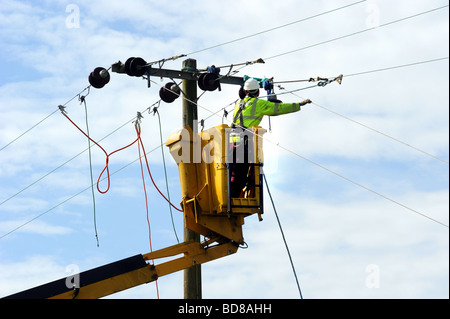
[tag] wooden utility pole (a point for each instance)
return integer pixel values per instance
(192, 275)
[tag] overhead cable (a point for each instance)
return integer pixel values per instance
(396, 67)
(276, 28)
(83, 100)
(377, 131)
(284, 238)
(45, 118)
(165, 173)
(72, 197)
(355, 33)
(365, 72)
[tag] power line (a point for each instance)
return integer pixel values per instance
(32, 127)
(90, 170)
(45, 118)
(356, 183)
(275, 28)
(355, 33)
(61, 165)
(91, 186)
(72, 197)
(370, 71)
(396, 67)
(165, 175)
(379, 132)
(375, 130)
(69, 160)
(284, 238)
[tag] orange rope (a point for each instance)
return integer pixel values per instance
(106, 168)
(151, 177)
(138, 131)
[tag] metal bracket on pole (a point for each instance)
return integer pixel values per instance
(185, 74)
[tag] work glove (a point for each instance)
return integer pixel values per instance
(307, 101)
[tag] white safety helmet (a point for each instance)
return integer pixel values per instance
(251, 85)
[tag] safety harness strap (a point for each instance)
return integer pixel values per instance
(239, 114)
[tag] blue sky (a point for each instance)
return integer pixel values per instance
(366, 187)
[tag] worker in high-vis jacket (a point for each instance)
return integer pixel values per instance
(248, 113)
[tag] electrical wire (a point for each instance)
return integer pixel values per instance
(284, 238)
(27, 131)
(44, 119)
(369, 71)
(357, 184)
(70, 198)
(92, 184)
(377, 131)
(153, 181)
(275, 28)
(354, 33)
(165, 175)
(106, 168)
(70, 159)
(138, 131)
(61, 165)
(396, 67)
(90, 170)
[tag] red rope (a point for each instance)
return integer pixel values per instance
(151, 177)
(146, 202)
(106, 168)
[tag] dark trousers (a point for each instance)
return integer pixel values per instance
(239, 155)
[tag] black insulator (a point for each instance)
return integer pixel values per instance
(208, 81)
(200, 81)
(127, 66)
(135, 66)
(138, 67)
(169, 92)
(99, 77)
(211, 81)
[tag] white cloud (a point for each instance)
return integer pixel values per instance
(334, 228)
(36, 227)
(28, 273)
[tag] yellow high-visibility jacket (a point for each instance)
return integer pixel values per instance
(254, 110)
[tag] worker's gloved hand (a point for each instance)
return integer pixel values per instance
(307, 101)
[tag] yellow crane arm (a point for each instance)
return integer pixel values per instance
(130, 272)
(208, 208)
